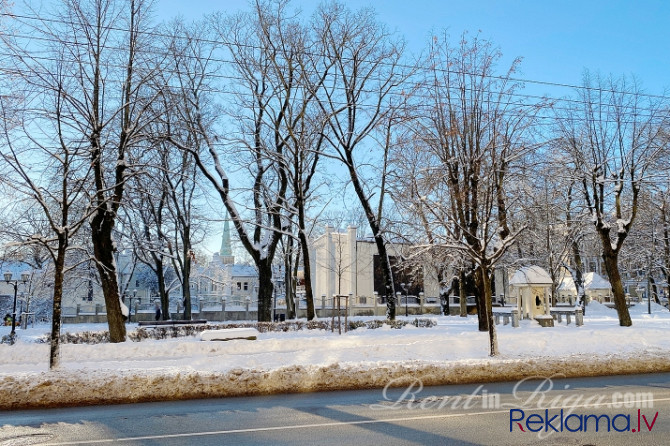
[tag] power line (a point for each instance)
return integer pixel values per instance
(519, 103)
(383, 63)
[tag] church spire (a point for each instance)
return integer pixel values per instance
(226, 251)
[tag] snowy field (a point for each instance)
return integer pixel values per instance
(454, 351)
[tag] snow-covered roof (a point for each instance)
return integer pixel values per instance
(567, 284)
(242, 271)
(530, 275)
(593, 281)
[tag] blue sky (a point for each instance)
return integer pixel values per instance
(557, 39)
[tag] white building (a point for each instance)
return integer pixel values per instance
(595, 287)
(344, 264)
(531, 290)
(224, 279)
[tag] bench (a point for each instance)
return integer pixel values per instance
(558, 314)
(545, 320)
(506, 316)
(171, 322)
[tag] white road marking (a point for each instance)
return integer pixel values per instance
(313, 425)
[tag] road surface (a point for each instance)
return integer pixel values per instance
(499, 413)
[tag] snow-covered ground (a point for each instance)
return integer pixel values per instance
(454, 351)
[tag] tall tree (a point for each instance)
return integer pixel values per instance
(102, 48)
(474, 133)
(664, 236)
(146, 221)
(613, 134)
(111, 129)
(359, 103)
(259, 98)
(52, 173)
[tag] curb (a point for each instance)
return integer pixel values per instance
(102, 387)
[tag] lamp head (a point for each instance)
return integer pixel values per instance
(8, 276)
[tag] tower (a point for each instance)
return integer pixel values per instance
(226, 251)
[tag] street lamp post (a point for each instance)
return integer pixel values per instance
(405, 287)
(130, 306)
(649, 285)
(139, 300)
(15, 284)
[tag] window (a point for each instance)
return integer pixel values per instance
(246, 286)
(239, 285)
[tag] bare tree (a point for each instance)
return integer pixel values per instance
(613, 134)
(300, 71)
(664, 211)
(182, 189)
(260, 98)
(361, 96)
(101, 46)
(474, 133)
(52, 173)
(147, 223)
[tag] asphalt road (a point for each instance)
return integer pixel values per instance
(491, 414)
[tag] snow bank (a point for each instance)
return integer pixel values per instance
(61, 388)
(454, 351)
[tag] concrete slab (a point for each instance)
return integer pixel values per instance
(227, 334)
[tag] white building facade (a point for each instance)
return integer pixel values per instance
(343, 264)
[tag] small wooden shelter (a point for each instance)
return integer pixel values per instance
(532, 287)
(595, 287)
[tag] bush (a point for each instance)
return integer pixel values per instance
(398, 324)
(353, 325)
(177, 331)
(374, 324)
(424, 322)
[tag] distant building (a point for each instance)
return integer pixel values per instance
(342, 263)
(223, 278)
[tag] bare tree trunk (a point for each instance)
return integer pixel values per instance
(488, 311)
(612, 267)
(265, 290)
(103, 249)
(162, 291)
(654, 289)
(289, 291)
(578, 278)
(307, 267)
(387, 277)
(462, 294)
(480, 298)
(296, 268)
(59, 266)
(186, 275)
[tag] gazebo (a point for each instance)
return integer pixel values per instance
(595, 287)
(567, 291)
(532, 287)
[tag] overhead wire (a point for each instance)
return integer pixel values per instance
(519, 97)
(153, 33)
